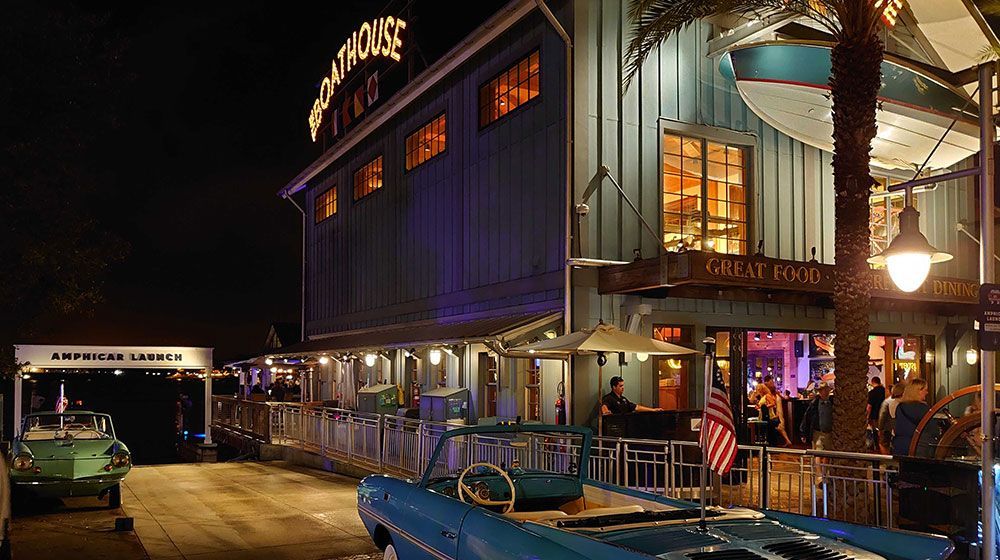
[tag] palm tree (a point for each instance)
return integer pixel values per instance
(855, 80)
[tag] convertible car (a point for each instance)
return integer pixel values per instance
(523, 492)
(74, 453)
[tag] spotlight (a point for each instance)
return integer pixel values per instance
(770, 335)
(756, 336)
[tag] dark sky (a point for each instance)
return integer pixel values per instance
(214, 125)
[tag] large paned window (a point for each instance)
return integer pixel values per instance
(326, 204)
(512, 88)
(368, 179)
(884, 210)
(489, 373)
(705, 194)
(427, 142)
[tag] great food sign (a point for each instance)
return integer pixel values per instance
(380, 38)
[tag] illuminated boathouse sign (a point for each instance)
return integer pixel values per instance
(371, 40)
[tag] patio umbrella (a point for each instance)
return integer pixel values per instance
(602, 339)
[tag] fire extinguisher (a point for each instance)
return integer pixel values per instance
(560, 407)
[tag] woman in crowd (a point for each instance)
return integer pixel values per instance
(887, 418)
(911, 409)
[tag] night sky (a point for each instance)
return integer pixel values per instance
(214, 123)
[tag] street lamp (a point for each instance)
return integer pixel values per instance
(909, 257)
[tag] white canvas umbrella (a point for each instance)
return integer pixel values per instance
(602, 339)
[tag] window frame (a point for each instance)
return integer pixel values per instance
(747, 141)
(506, 68)
(685, 337)
(885, 197)
(354, 182)
(336, 202)
(532, 365)
(439, 114)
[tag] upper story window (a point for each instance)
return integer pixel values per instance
(704, 194)
(326, 204)
(427, 142)
(511, 89)
(884, 209)
(368, 178)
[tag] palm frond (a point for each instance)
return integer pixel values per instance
(653, 21)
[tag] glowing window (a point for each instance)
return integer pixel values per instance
(368, 179)
(514, 87)
(426, 142)
(884, 209)
(704, 195)
(326, 204)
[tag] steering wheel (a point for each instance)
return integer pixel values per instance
(508, 505)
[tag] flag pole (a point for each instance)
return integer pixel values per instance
(709, 365)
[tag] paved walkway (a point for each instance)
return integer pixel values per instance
(204, 511)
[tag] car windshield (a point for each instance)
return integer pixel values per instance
(528, 451)
(67, 427)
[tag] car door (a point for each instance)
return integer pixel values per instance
(438, 522)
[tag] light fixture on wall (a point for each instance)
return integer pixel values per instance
(770, 335)
(370, 359)
(323, 360)
(269, 361)
(434, 356)
(756, 337)
(972, 356)
(909, 257)
(641, 356)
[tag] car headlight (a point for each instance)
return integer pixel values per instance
(23, 462)
(120, 459)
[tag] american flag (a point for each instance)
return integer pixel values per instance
(718, 435)
(62, 401)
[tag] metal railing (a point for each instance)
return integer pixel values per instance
(845, 486)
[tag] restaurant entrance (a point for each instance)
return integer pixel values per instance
(796, 362)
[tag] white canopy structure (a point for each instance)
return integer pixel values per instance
(32, 357)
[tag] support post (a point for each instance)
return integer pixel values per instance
(208, 405)
(17, 403)
(987, 269)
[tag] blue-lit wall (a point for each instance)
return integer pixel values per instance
(476, 231)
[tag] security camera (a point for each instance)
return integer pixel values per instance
(582, 209)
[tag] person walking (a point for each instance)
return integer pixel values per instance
(911, 409)
(771, 408)
(887, 418)
(817, 424)
(876, 395)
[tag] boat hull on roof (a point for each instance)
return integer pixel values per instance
(787, 85)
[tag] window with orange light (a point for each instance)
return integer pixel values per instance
(326, 204)
(427, 142)
(532, 390)
(673, 375)
(705, 194)
(368, 179)
(512, 88)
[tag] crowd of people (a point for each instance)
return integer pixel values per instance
(892, 417)
(279, 390)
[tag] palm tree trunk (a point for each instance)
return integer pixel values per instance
(855, 81)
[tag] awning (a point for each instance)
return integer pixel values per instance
(423, 333)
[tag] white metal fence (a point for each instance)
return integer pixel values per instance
(846, 486)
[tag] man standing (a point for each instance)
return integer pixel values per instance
(876, 395)
(615, 402)
(817, 424)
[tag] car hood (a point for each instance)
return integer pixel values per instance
(760, 538)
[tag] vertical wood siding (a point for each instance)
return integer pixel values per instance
(485, 213)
